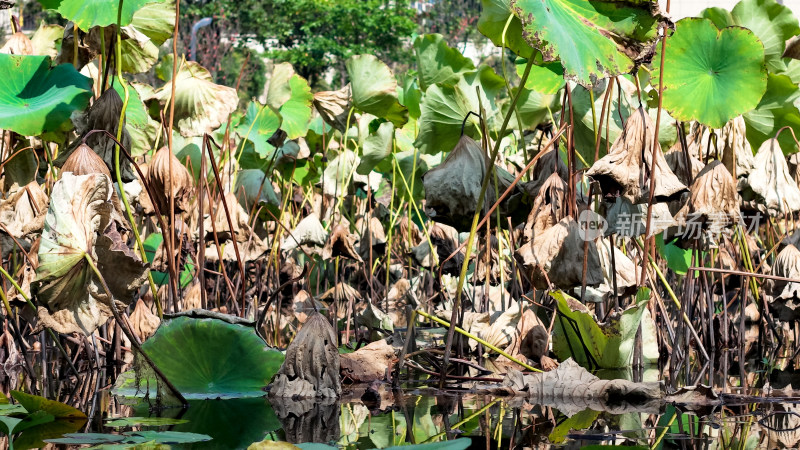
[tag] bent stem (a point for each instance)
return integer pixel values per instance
(476, 339)
(129, 334)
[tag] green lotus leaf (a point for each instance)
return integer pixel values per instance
(492, 22)
(775, 110)
(594, 39)
(547, 78)
(374, 89)
(444, 108)
(259, 124)
(151, 245)
(254, 186)
(533, 107)
(771, 22)
(712, 75)
(377, 147)
(200, 105)
(128, 439)
(95, 13)
(34, 403)
(35, 98)
(437, 62)
(143, 421)
(410, 96)
(212, 358)
(34, 436)
(141, 127)
(576, 334)
(290, 95)
(151, 26)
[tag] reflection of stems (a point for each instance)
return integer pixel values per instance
(467, 419)
(129, 334)
(476, 339)
(664, 431)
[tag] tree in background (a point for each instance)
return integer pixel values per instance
(313, 35)
(456, 20)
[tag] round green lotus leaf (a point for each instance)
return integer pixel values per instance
(211, 358)
(259, 124)
(711, 75)
(291, 96)
(35, 98)
(95, 13)
(594, 39)
(437, 62)
(492, 23)
(374, 89)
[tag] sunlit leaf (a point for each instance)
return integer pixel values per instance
(374, 89)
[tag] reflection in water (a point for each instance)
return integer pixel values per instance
(308, 420)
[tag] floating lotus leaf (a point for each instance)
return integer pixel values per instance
(492, 22)
(211, 356)
(36, 98)
(444, 108)
(290, 95)
(259, 124)
(95, 13)
(334, 106)
(627, 168)
(771, 22)
(706, 65)
(578, 335)
(770, 187)
(437, 62)
(374, 89)
(593, 39)
(775, 110)
(377, 147)
(201, 106)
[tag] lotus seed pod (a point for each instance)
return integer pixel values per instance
(84, 161)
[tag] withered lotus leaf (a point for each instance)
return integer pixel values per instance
(143, 321)
(308, 231)
(22, 209)
(340, 243)
(628, 167)
(713, 197)
(550, 162)
(334, 106)
(627, 219)
(452, 188)
(102, 115)
(785, 304)
(18, 44)
(84, 161)
(78, 224)
(549, 206)
(729, 144)
(311, 367)
(676, 160)
(770, 187)
(556, 255)
(179, 185)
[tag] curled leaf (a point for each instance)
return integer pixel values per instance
(770, 187)
(177, 184)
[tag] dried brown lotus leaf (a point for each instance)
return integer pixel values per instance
(770, 187)
(628, 167)
(556, 255)
(102, 115)
(445, 240)
(627, 219)
(372, 237)
(626, 281)
(308, 231)
(487, 268)
(728, 144)
(713, 195)
(549, 163)
(89, 45)
(676, 160)
(143, 321)
(549, 206)
(410, 232)
(452, 188)
(304, 305)
(84, 161)
(311, 367)
(164, 184)
(785, 304)
(192, 298)
(25, 207)
(340, 243)
(341, 295)
(334, 106)
(17, 44)
(369, 363)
